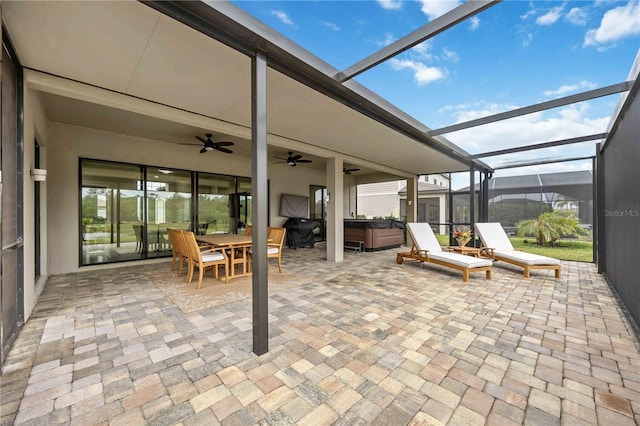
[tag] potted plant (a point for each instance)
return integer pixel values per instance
(462, 237)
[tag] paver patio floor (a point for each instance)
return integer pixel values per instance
(366, 341)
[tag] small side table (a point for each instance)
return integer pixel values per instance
(471, 251)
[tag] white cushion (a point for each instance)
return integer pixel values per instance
(212, 257)
(493, 236)
(270, 250)
(423, 237)
(527, 258)
(460, 259)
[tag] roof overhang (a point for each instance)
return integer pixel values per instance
(195, 58)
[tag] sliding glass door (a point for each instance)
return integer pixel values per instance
(112, 209)
(169, 204)
(318, 210)
(126, 209)
(214, 203)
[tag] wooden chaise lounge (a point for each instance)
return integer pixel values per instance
(426, 248)
(496, 245)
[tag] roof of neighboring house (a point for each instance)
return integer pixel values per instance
(424, 187)
(575, 184)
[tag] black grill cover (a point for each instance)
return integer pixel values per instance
(300, 232)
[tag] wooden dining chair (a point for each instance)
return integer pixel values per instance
(274, 246)
(177, 249)
(211, 258)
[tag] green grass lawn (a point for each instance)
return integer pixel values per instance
(581, 251)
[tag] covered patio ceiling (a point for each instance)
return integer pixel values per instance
(130, 49)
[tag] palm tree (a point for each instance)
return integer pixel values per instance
(550, 226)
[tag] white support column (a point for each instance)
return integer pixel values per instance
(443, 212)
(412, 199)
(335, 219)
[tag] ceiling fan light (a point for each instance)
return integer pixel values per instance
(291, 163)
(208, 148)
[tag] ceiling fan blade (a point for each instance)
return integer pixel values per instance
(279, 162)
(203, 150)
(223, 149)
(284, 160)
(296, 157)
(224, 143)
(303, 161)
(191, 144)
(201, 140)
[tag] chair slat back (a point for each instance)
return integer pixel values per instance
(276, 235)
(191, 245)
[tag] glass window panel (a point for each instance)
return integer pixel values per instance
(213, 203)
(112, 203)
(169, 204)
(242, 207)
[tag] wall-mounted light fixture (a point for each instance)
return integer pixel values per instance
(39, 175)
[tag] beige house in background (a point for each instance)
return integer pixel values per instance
(384, 199)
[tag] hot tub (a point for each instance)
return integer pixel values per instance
(376, 234)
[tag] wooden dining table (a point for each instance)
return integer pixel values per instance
(237, 245)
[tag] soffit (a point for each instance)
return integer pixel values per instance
(130, 48)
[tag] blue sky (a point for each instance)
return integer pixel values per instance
(514, 54)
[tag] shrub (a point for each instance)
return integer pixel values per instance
(550, 226)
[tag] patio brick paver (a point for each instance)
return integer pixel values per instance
(367, 341)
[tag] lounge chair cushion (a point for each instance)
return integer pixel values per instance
(423, 237)
(493, 236)
(526, 258)
(460, 260)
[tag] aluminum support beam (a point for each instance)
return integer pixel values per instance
(541, 145)
(535, 163)
(472, 202)
(594, 207)
(433, 28)
(259, 208)
(450, 201)
(584, 96)
(600, 218)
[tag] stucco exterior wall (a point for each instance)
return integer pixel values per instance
(67, 144)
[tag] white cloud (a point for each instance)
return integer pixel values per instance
(474, 23)
(577, 16)
(539, 127)
(527, 40)
(282, 16)
(388, 39)
(423, 50)
(550, 17)
(436, 8)
(616, 24)
(422, 74)
(450, 55)
(390, 4)
(332, 26)
(529, 14)
(569, 88)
